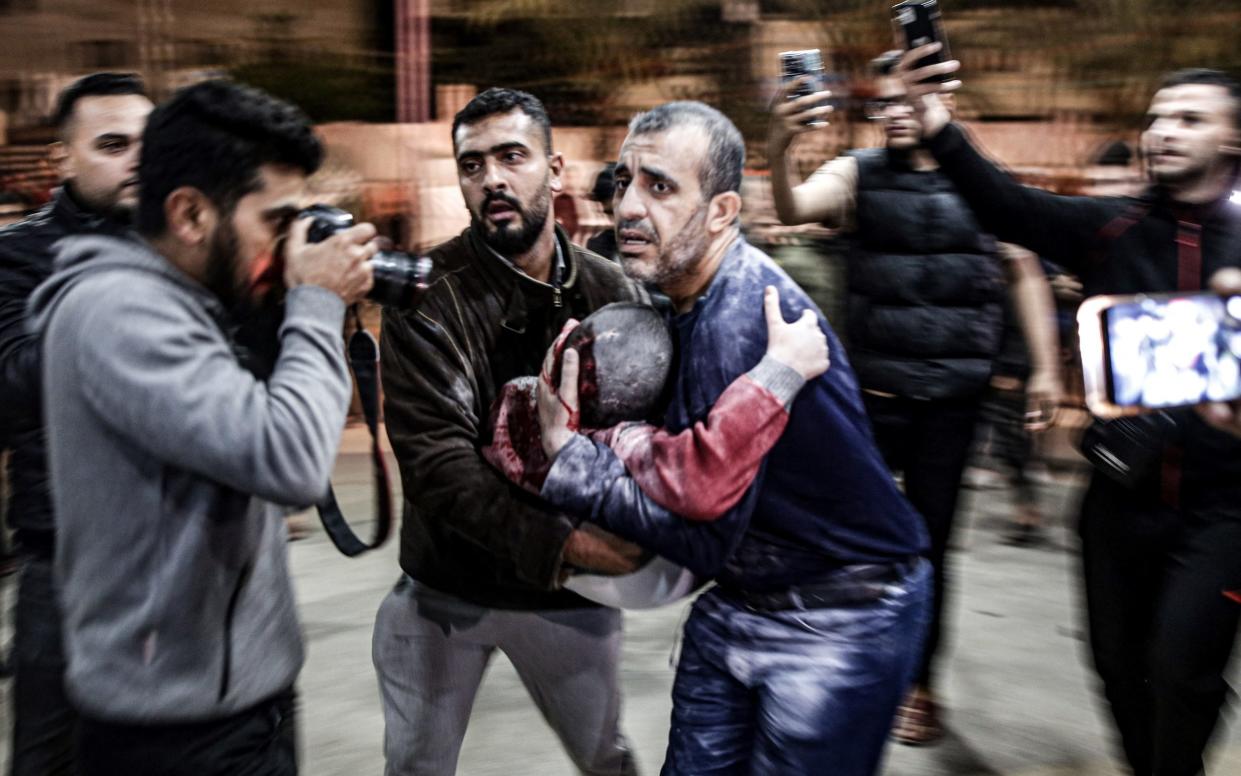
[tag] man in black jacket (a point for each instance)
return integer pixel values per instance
(100, 119)
(1160, 556)
(483, 558)
(925, 318)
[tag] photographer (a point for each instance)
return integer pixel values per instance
(166, 454)
(99, 120)
(1159, 555)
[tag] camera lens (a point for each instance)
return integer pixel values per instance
(399, 278)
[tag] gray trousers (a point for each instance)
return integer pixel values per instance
(430, 651)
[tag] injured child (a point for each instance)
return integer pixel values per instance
(624, 356)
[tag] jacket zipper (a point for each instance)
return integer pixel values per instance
(556, 301)
(227, 667)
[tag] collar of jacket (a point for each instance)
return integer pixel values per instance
(523, 291)
(1157, 197)
(77, 218)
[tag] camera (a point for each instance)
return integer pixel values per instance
(400, 279)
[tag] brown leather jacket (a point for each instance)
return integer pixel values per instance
(467, 530)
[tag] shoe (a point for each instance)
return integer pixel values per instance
(917, 720)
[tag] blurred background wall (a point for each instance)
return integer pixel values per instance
(1055, 89)
(1049, 84)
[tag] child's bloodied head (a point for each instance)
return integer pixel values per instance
(625, 353)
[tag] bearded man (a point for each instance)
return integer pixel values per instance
(484, 559)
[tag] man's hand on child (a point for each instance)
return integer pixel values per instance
(558, 404)
(800, 345)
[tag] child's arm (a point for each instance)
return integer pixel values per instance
(703, 471)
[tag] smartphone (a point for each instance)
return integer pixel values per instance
(918, 23)
(1142, 353)
(807, 62)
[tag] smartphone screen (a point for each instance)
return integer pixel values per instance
(1172, 351)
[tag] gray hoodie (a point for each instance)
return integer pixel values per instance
(167, 458)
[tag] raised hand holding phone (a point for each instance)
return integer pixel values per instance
(927, 67)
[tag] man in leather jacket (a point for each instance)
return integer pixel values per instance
(100, 119)
(483, 559)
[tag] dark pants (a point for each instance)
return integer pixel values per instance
(1161, 629)
(44, 724)
(929, 442)
(431, 650)
(260, 741)
(796, 691)
(1004, 438)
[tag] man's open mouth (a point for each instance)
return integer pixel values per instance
(499, 210)
(634, 238)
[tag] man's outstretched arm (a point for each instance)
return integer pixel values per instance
(827, 197)
(1061, 228)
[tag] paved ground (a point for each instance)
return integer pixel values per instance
(1023, 701)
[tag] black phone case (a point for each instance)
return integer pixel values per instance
(921, 23)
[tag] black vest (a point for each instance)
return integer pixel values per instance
(925, 313)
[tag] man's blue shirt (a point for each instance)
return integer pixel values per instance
(824, 497)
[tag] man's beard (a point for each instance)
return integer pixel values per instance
(221, 272)
(253, 323)
(674, 261)
(1181, 177)
(509, 240)
(1187, 176)
(115, 205)
(124, 203)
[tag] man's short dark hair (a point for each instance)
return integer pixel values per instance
(495, 101)
(605, 184)
(214, 136)
(94, 85)
(885, 64)
(1207, 77)
(721, 170)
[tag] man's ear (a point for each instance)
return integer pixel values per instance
(190, 215)
(556, 180)
(58, 154)
(722, 211)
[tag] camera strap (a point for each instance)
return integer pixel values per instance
(363, 353)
